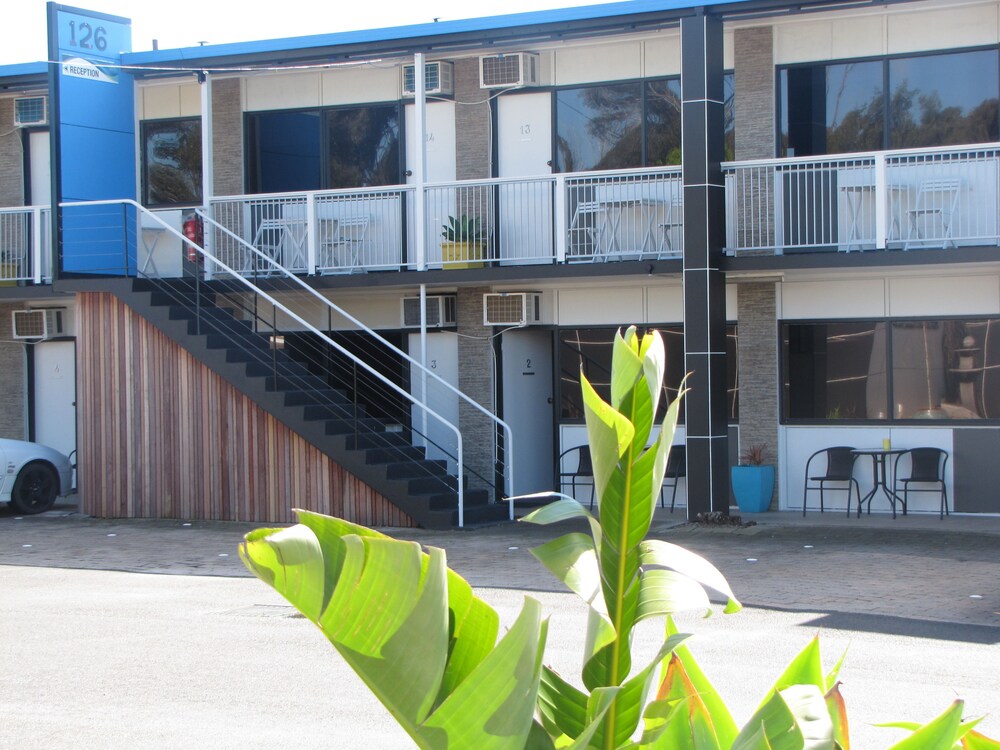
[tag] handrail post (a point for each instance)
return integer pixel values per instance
(559, 218)
(274, 345)
(881, 203)
(312, 234)
(36, 245)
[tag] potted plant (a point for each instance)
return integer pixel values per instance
(753, 480)
(464, 241)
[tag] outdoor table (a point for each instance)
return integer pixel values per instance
(880, 478)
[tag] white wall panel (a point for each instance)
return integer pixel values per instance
(802, 42)
(282, 91)
(605, 62)
(379, 312)
(854, 298)
(190, 100)
(945, 295)
(593, 306)
(662, 56)
(367, 83)
(665, 304)
(860, 36)
(164, 101)
(942, 29)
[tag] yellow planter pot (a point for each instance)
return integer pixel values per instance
(463, 254)
(7, 273)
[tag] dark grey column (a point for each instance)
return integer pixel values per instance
(704, 282)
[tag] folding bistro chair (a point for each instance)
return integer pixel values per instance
(839, 470)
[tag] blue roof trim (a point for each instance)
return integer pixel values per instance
(418, 31)
(24, 69)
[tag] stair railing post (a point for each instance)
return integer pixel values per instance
(197, 300)
(274, 345)
(354, 401)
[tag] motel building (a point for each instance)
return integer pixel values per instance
(361, 272)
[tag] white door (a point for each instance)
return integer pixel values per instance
(524, 144)
(39, 160)
(442, 359)
(54, 395)
(528, 407)
(441, 167)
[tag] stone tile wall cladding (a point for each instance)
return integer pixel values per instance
(13, 423)
(227, 136)
(754, 74)
(11, 157)
(758, 367)
(472, 123)
(475, 379)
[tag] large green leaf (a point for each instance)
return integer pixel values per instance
(609, 433)
(977, 741)
(678, 719)
(411, 629)
(941, 733)
(795, 718)
(664, 554)
(805, 669)
(837, 709)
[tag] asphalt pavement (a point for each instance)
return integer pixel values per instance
(127, 633)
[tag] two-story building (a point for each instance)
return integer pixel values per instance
(361, 272)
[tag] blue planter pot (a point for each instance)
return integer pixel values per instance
(753, 487)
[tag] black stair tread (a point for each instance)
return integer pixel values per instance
(318, 397)
(394, 454)
(429, 468)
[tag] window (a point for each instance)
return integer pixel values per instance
(344, 147)
(927, 369)
(171, 162)
(902, 102)
(590, 349)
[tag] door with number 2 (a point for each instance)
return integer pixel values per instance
(527, 406)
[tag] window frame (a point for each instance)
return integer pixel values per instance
(890, 419)
(249, 158)
(886, 92)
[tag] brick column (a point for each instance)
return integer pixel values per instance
(475, 379)
(758, 367)
(227, 136)
(472, 123)
(11, 158)
(13, 420)
(704, 281)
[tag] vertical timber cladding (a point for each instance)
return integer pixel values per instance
(161, 436)
(704, 281)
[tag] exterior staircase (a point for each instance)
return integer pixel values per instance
(205, 318)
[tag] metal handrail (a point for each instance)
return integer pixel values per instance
(508, 433)
(307, 326)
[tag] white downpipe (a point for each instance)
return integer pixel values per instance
(420, 166)
(302, 321)
(423, 351)
(207, 157)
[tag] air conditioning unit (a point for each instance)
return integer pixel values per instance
(512, 308)
(508, 71)
(441, 311)
(42, 323)
(30, 110)
(439, 79)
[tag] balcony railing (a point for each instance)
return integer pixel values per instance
(25, 250)
(895, 200)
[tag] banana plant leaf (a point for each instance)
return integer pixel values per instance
(943, 732)
(795, 718)
(411, 629)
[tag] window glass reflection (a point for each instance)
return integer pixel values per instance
(172, 162)
(834, 370)
(363, 147)
(599, 127)
(943, 100)
(285, 152)
(663, 123)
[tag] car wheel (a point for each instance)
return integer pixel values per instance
(35, 489)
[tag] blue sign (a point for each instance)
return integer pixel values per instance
(94, 144)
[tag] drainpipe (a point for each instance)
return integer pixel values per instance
(423, 359)
(420, 165)
(207, 154)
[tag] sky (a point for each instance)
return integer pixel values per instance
(185, 23)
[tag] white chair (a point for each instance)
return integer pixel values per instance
(340, 249)
(586, 229)
(936, 201)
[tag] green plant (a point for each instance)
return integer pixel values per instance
(427, 646)
(754, 455)
(463, 229)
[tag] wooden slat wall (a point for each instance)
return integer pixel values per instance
(161, 436)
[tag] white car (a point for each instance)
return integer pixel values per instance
(32, 476)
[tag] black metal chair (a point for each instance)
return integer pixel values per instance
(583, 470)
(676, 470)
(839, 469)
(927, 466)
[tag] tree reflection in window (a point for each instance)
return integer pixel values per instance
(171, 162)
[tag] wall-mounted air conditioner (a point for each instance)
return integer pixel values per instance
(441, 311)
(512, 308)
(42, 323)
(439, 79)
(507, 71)
(30, 111)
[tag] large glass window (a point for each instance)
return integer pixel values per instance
(902, 102)
(316, 149)
(599, 127)
(589, 350)
(171, 162)
(926, 369)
